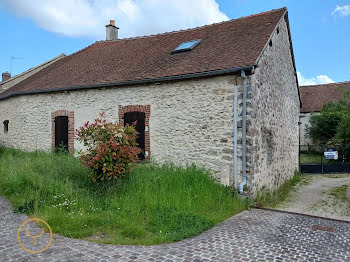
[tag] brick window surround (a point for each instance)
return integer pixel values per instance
(138, 108)
(70, 127)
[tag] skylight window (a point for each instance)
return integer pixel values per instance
(186, 46)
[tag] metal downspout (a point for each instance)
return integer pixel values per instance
(244, 130)
(235, 99)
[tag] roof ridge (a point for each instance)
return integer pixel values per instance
(335, 83)
(60, 56)
(192, 28)
(99, 63)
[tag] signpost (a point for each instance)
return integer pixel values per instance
(331, 153)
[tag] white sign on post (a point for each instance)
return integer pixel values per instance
(331, 153)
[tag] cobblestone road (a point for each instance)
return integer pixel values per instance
(258, 235)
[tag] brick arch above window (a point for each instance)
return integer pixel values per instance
(70, 115)
(138, 108)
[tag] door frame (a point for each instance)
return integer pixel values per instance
(70, 115)
(61, 131)
(138, 108)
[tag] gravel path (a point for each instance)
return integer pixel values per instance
(315, 198)
(257, 235)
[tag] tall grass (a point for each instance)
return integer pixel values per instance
(155, 204)
(273, 199)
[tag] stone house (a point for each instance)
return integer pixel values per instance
(312, 100)
(8, 81)
(222, 96)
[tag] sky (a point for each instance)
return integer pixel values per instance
(38, 30)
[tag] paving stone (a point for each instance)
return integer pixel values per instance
(257, 235)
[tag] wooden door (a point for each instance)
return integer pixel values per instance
(61, 132)
(138, 120)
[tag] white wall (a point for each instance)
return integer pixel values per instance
(304, 138)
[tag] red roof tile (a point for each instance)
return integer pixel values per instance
(231, 44)
(314, 97)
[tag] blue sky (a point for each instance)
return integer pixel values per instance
(39, 30)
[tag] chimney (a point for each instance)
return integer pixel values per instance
(6, 76)
(111, 31)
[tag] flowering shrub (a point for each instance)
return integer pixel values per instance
(111, 149)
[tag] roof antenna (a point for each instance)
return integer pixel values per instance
(11, 59)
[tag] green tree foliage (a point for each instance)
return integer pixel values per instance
(332, 124)
(324, 126)
(343, 130)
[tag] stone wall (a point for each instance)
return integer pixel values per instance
(273, 116)
(304, 138)
(190, 121)
(10, 109)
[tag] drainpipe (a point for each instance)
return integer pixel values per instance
(235, 136)
(244, 130)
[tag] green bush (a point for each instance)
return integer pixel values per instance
(111, 149)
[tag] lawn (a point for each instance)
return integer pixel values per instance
(156, 204)
(309, 158)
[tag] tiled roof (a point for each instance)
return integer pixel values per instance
(232, 44)
(314, 97)
(20, 77)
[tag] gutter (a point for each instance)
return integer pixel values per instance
(235, 129)
(133, 82)
(244, 132)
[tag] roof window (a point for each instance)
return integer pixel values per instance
(186, 46)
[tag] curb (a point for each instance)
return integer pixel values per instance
(306, 215)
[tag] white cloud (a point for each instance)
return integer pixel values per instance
(343, 10)
(318, 80)
(134, 17)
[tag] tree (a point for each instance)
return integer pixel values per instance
(343, 131)
(332, 124)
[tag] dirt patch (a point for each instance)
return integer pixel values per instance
(325, 196)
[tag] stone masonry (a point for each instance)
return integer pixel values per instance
(273, 115)
(190, 121)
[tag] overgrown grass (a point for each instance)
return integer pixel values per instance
(340, 193)
(156, 204)
(272, 199)
(310, 159)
